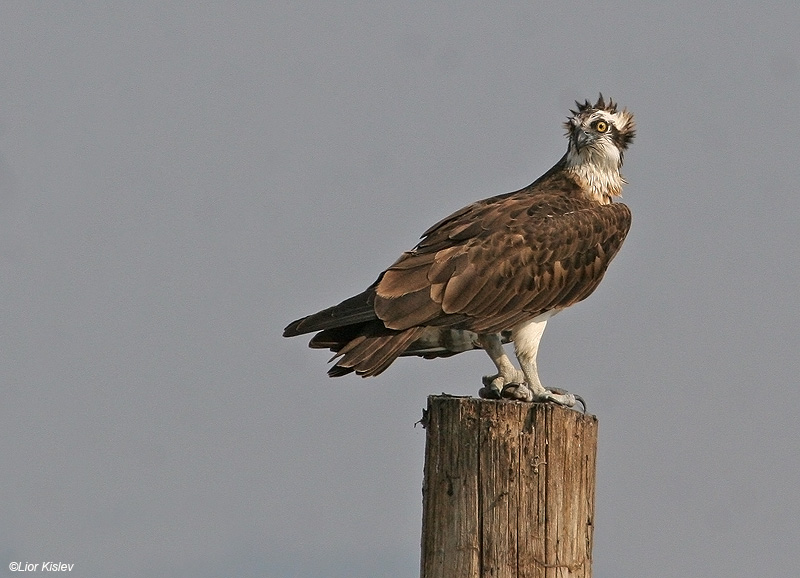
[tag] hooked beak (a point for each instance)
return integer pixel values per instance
(580, 137)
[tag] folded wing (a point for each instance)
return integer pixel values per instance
(484, 269)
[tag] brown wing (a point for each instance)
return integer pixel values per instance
(502, 261)
(483, 269)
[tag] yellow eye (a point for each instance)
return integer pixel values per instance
(601, 126)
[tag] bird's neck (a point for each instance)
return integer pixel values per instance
(597, 171)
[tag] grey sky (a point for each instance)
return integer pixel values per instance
(179, 182)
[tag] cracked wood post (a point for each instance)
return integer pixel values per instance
(508, 490)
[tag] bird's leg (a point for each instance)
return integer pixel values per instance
(506, 372)
(526, 337)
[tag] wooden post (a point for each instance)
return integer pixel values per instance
(508, 490)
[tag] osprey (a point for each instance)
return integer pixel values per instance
(495, 271)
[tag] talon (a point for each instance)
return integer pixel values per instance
(493, 381)
(568, 397)
(517, 392)
(489, 392)
(492, 386)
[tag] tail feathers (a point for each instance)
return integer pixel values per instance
(366, 349)
(356, 310)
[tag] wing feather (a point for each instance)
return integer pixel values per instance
(354, 310)
(483, 269)
(520, 261)
(408, 310)
(400, 282)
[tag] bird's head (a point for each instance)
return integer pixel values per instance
(598, 136)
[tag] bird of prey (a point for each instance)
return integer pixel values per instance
(495, 271)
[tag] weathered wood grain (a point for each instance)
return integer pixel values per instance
(508, 490)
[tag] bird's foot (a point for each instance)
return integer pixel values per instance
(521, 392)
(514, 387)
(493, 385)
(492, 388)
